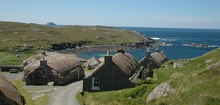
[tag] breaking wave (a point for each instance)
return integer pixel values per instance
(155, 38)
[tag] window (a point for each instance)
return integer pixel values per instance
(95, 83)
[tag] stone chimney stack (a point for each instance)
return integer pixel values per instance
(148, 53)
(162, 52)
(121, 51)
(43, 63)
(157, 49)
(108, 59)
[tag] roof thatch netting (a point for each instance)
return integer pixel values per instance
(9, 92)
(101, 59)
(59, 65)
(158, 57)
(48, 56)
(62, 65)
(124, 62)
(133, 60)
(127, 64)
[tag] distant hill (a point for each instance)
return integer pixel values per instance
(51, 24)
(33, 37)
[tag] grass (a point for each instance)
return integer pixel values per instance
(132, 96)
(194, 84)
(18, 83)
(14, 58)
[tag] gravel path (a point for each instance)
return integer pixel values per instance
(12, 76)
(66, 95)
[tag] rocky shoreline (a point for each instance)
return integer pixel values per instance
(199, 45)
(146, 42)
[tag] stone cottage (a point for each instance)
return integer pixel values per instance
(60, 71)
(112, 74)
(155, 60)
(9, 94)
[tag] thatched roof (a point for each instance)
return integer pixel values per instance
(49, 56)
(93, 62)
(9, 93)
(157, 57)
(126, 63)
(133, 60)
(101, 59)
(60, 66)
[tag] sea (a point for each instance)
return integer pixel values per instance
(178, 42)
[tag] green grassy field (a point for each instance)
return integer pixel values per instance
(14, 58)
(33, 37)
(194, 84)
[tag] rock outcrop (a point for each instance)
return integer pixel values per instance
(160, 90)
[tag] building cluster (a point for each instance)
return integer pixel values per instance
(109, 73)
(119, 71)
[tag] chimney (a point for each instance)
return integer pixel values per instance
(43, 63)
(121, 51)
(108, 59)
(162, 52)
(157, 49)
(148, 53)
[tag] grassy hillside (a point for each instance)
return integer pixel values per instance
(24, 37)
(194, 84)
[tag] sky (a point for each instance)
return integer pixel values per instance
(134, 13)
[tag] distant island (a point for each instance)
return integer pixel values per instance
(51, 24)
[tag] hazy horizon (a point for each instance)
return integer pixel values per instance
(194, 14)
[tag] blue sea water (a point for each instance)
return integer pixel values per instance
(177, 38)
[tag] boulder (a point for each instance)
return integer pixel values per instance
(160, 90)
(50, 83)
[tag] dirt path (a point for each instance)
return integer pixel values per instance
(66, 95)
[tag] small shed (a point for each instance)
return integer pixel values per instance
(9, 95)
(92, 63)
(60, 71)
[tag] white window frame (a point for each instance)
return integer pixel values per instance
(95, 81)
